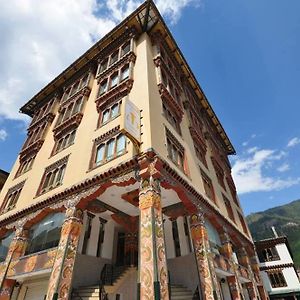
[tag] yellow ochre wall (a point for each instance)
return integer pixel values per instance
(145, 96)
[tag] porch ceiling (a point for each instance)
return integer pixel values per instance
(115, 197)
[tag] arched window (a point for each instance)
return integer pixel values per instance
(4, 245)
(45, 234)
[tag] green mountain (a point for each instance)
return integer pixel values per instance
(285, 218)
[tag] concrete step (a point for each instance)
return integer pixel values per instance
(179, 292)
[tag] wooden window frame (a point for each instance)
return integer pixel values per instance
(11, 198)
(64, 141)
(103, 140)
(229, 208)
(170, 117)
(277, 279)
(25, 165)
(172, 142)
(51, 175)
(243, 223)
(208, 182)
(110, 117)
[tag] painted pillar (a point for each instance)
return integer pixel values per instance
(207, 276)
(262, 292)
(61, 276)
(245, 261)
(153, 274)
(256, 276)
(234, 284)
(16, 249)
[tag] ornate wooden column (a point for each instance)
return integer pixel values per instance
(61, 276)
(153, 275)
(234, 284)
(255, 268)
(16, 249)
(208, 280)
(245, 261)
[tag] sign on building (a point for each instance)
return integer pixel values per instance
(131, 121)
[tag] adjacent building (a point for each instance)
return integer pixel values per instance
(277, 268)
(123, 186)
(3, 177)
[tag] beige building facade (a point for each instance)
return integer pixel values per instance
(123, 187)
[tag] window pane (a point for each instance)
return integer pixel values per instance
(100, 154)
(46, 184)
(103, 87)
(77, 106)
(121, 144)
(110, 149)
(60, 175)
(75, 88)
(103, 65)
(72, 137)
(45, 234)
(114, 110)
(114, 80)
(84, 81)
(114, 57)
(105, 116)
(125, 73)
(4, 245)
(125, 48)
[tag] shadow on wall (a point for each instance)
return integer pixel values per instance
(183, 271)
(87, 270)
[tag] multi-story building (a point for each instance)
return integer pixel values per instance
(3, 177)
(125, 174)
(277, 268)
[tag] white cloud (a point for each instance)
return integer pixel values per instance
(284, 167)
(249, 172)
(3, 134)
(41, 38)
(293, 142)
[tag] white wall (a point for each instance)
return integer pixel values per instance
(169, 242)
(184, 248)
(108, 242)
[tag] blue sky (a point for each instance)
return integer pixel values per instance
(245, 55)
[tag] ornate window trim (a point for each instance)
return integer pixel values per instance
(121, 89)
(228, 207)
(11, 198)
(172, 118)
(207, 183)
(104, 139)
(64, 141)
(276, 278)
(108, 109)
(173, 145)
(60, 172)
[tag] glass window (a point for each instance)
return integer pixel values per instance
(68, 112)
(77, 106)
(114, 110)
(103, 87)
(72, 137)
(100, 154)
(121, 144)
(60, 116)
(125, 73)
(4, 245)
(45, 234)
(75, 88)
(110, 149)
(84, 81)
(114, 80)
(114, 57)
(105, 116)
(103, 65)
(125, 48)
(60, 175)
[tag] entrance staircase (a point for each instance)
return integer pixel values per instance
(116, 277)
(112, 279)
(179, 292)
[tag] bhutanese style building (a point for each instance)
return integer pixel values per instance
(277, 268)
(123, 188)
